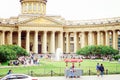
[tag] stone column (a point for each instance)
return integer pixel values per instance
(19, 38)
(67, 42)
(60, 41)
(36, 42)
(90, 38)
(106, 38)
(98, 38)
(53, 42)
(44, 50)
(10, 37)
(75, 42)
(115, 39)
(83, 39)
(3, 37)
(28, 41)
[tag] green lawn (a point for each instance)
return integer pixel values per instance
(46, 66)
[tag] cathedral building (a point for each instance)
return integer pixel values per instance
(40, 33)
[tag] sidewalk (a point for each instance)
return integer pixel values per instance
(105, 77)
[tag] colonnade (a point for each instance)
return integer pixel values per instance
(67, 41)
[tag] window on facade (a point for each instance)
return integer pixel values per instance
(25, 7)
(34, 7)
(65, 38)
(71, 38)
(42, 7)
(29, 7)
(71, 47)
(38, 7)
(39, 38)
(23, 37)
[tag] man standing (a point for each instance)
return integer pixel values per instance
(98, 69)
(101, 70)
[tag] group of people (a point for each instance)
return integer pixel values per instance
(100, 69)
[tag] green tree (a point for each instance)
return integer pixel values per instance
(97, 50)
(11, 52)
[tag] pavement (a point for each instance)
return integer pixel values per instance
(104, 77)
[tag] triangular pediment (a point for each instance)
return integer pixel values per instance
(42, 20)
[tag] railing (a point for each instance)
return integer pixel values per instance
(54, 71)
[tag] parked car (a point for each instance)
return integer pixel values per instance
(18, 77)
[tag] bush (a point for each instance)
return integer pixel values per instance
(11, 52)
(116, 57)
(97, 50)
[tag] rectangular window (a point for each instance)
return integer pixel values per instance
(34, 7)
(29, 7)
(71, 47)
(38, 7)
(71, 38)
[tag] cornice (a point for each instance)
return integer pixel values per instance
(40, 25)
(93, 25)
(8, 25)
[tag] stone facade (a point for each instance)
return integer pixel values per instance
(40, 33)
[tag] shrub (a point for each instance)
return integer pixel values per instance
(11, 52)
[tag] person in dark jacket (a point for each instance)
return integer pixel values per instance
(101, 68)
(98, 70)
(9, 72)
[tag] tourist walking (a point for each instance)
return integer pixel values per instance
(98, 69)
(101, 70)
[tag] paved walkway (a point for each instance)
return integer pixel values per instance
(105, 77)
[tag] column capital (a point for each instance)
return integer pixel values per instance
(28, 31)
(53, 31)
(36, 31)
(98, 31)
(90, 32)
(10, 31)
(20, 31)
(45, 31)
(82, 31)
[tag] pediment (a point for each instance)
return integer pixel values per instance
(42, 20)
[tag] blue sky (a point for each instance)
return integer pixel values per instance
(69, 9)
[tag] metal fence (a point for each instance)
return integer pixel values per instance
(54, 71)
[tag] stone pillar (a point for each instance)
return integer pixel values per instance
(3, 37)
(52, 42)
(106, 38)
(44, 50)
(67, 43)
(36, 42)
(75, 42)
(19, 38)
(90, 38)
(115, 39)
(60, 41)
(10, 37)
(28, 41)
(83, 39)
(98, 38)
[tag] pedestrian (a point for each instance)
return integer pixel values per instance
(9, 72)
(101, 70)
(71, 73)
(98, 69)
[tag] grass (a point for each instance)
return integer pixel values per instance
(46, 67)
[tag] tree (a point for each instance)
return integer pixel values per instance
(11, 52)
(97, 50)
